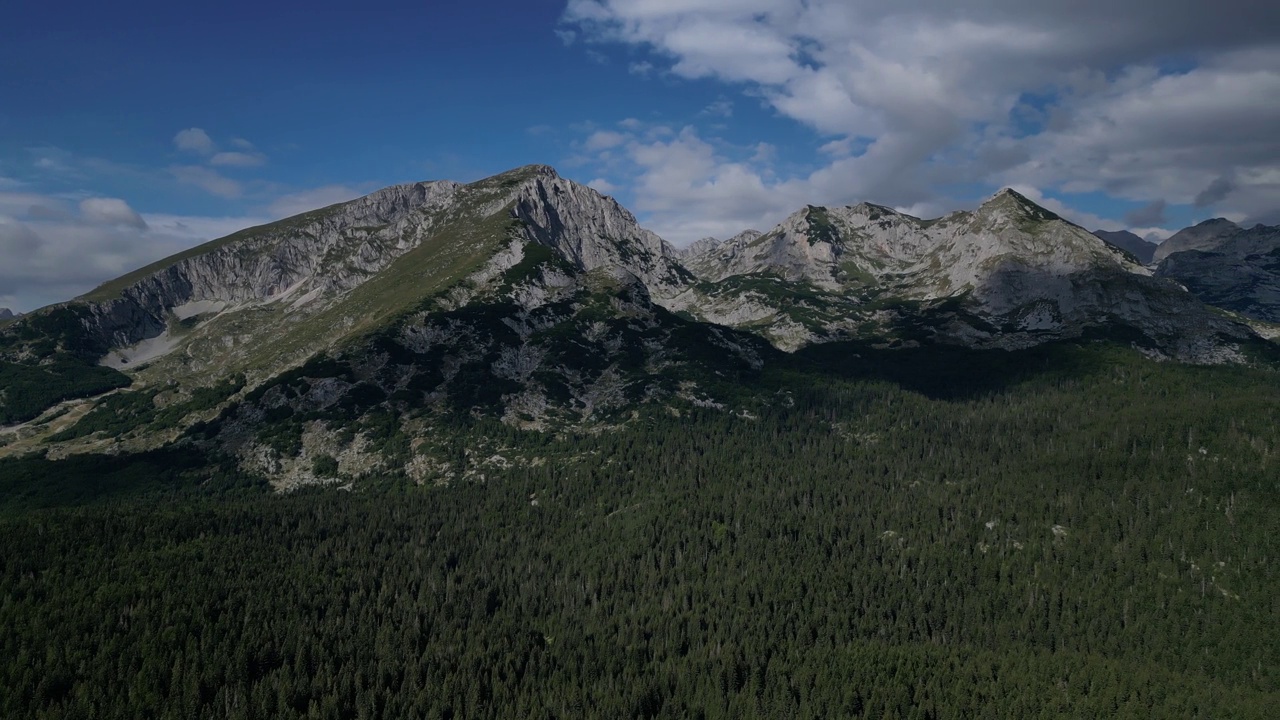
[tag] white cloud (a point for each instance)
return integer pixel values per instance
(602, 185)
(28, 204)
(930, 94)
(197, 141)
(603, 140)
(687, 190)
(50, 258)
(307, 200)
(194, 140)
(208, 180)
(237, 159)
(189, 230)
(109, 212)
(721, 108)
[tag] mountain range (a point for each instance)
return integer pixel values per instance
(350, 332)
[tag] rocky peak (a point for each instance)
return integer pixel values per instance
(1202, 236)
(874, 212)
(744, 237)
(700, 247)
(708, 258)
(1008, 205)
(6, 314)
(594, 232)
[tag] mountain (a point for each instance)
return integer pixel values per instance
(1010, 274)
(1129, 242)
(1203, 236)
(6, 314)
(1227, 266)
(524, 297)
(358, 337)
(589, 474)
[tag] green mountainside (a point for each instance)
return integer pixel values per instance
(1069, 530)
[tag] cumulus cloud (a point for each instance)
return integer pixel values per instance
(306, 200)
(1216, 192)
(602, 185)
(194, 140)
(603, 140)
(918, 96)
(1148, 215)
(689, 189)
(237, 159)
(722, 108)
(54, 256)
(110, 212)
(208, 180)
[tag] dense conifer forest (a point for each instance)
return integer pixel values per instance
(1074, 531)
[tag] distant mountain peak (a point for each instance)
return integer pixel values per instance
(1201, 236)
(1142, 249)
(698, 247)
(1010, 199)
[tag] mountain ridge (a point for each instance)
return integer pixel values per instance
(543, 303)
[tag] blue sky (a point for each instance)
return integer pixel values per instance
(128, 132)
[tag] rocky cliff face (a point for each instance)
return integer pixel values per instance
(324, 252)
(594, 232)
(1227, 266)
